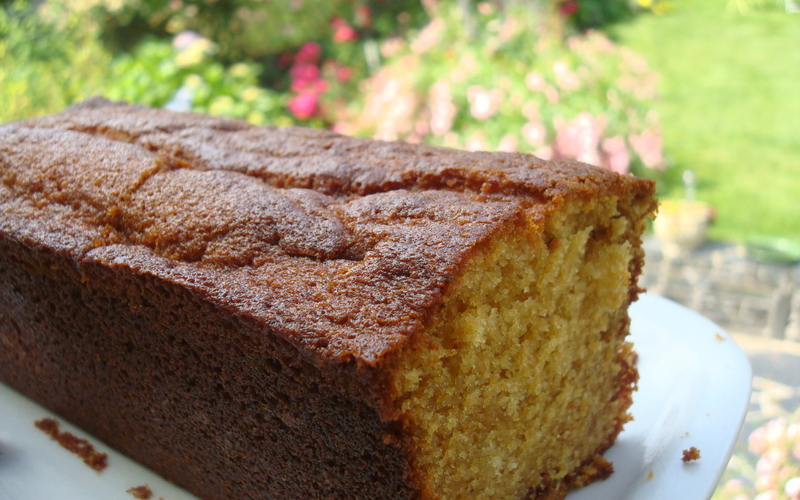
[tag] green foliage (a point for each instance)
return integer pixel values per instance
(156, 74)
(49, 59)
(485, 75)
(593, 14)
(251, 29)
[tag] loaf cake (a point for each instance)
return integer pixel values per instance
(259, 312)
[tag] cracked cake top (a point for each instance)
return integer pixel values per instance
(339, 244)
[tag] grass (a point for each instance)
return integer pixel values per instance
(730, 108)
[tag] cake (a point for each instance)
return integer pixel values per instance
(260, 312)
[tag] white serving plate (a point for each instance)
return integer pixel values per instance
(694, 391)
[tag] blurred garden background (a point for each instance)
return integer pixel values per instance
(700, 95)
(655, 87)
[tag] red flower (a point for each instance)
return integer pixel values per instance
(568, 7)
(363, 16)
(304, 106)
(309, 53)
(285, 59)
(343, 32)
(343, 73)
(303, 75)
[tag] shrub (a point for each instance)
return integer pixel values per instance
(250, 29)
(184, 75)
(491, 75)
(50, 59)
(513, 85)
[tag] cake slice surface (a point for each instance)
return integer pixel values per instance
(290, 313)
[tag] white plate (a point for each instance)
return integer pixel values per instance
(694, 391)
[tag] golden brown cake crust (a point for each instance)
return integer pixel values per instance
(344, 242)
(252, 285)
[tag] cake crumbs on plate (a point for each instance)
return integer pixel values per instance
(719, 337)
(142, 492)
(81, 447)
(649, 474)
(690, 455)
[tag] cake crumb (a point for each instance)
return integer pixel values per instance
(142, 492)
(649, 474)
(691, 454)
(81, 447)
(719, 337)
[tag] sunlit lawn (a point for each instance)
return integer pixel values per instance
(730, 108)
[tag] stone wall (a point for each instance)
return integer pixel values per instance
(719, 282)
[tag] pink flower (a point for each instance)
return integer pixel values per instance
(304, 106)
(343, 32)
(776, 430)
(451, 140)
(534, 133)
(649, 148)
(767, 495)
(341, 128)
(391, 47)
(303, 74)
(793, 431)
(483, 104)
(757, 441)
(309, 53)
(792, 488)
(485, 8)
(552, 95)
(508, 143)
(184, 39)
(476, 142)
(314, 86)
(565, 77)
(535, 81)
(443, 110)
(568, 7)
(428, 37)
(733, 486)
(307, 77)
(616, 156)
(579, 138)
(509, 28)
(768, 467)
(363, 16)
(530, 110)
(390, 109)
(600, 41)
(421, 129)
(343, 73)
(544, 152)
